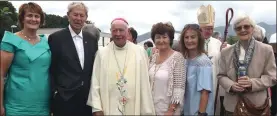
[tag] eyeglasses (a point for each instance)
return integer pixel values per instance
(245, 27)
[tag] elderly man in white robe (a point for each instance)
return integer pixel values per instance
(213, 46)
(120, 81)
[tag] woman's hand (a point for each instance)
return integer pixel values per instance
(237, 88)
(169, 113)
(244, 82)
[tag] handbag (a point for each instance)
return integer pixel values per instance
(245, 107)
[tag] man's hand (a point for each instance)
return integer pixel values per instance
(99, 113)
(223, 45)
(244, 82)
(237, 88)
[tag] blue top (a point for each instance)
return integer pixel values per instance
(27, 88)
(199, 77)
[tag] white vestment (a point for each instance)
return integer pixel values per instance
(214, 52)
(104, 94)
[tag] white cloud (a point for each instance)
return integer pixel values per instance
(143, 14)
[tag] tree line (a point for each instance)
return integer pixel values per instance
(9, 17)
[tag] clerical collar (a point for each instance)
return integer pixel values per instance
(121, 48)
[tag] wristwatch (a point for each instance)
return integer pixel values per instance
(202, 114)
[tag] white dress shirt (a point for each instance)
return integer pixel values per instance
(78, 41)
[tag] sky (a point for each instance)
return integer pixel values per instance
(143, 14)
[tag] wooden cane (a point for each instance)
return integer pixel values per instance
(224, 39)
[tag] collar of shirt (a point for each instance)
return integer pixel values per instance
(73, 34)
(121, 48)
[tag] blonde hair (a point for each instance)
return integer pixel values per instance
(242, 18)
(77, 5)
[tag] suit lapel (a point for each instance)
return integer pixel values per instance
(87, 49)
(71, 49)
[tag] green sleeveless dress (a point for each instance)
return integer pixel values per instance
(27, 87)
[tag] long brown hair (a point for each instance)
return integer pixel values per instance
(201, 41)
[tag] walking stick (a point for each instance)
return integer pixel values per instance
(224, 39)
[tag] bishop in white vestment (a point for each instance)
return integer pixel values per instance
(206, 19)
(120, 81)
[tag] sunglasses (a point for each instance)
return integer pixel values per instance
(245, 27)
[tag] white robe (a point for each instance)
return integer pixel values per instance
(214, 52)
(104, 94)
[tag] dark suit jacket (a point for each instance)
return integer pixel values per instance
(67, 75)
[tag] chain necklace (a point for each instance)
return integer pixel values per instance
(157, 69)
(121, 73)
(121, 85)
(28, 38)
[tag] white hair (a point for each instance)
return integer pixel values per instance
(124, 23)
(77, 5)
(216, 33)
(92, 30)
(259, 33)
(242, 18)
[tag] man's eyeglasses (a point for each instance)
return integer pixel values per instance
(245, 27)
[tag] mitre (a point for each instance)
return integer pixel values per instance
(206, 16)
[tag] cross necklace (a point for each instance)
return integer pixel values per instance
(121, 84)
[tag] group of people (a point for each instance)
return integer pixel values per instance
(67, 75)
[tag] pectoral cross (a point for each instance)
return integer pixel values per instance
(123, 100)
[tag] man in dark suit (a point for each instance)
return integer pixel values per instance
(73, 52)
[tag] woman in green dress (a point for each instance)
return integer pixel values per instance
(25, 61)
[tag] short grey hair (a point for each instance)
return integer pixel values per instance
(259, 33)
(77, 5)
(242, 18)
(216, 33)
(92, 30)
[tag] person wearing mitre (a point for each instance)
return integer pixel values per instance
(120, 81)
(213, 46)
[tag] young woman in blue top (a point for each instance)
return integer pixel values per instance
(199, 85)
